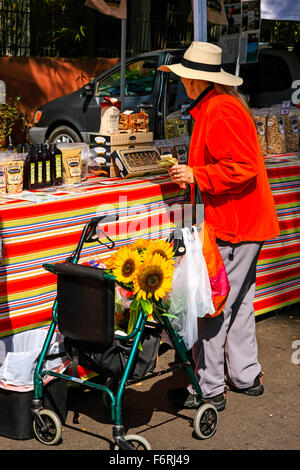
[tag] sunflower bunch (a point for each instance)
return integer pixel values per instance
(145, 268)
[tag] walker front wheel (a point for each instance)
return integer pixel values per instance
(206, 421)
(51, 433)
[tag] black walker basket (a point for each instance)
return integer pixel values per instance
(84, 311)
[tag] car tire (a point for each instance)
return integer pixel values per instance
(63, 134)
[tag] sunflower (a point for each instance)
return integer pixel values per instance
(161, 247)
(124, 264)
(110, 262)
(154, 278)
(140, 244)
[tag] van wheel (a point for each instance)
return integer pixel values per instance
(64, 134)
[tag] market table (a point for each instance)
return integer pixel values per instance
(44, 227)
(36, 232)
(278, 269)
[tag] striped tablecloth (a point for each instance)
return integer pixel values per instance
(278, 270)
(34, 233)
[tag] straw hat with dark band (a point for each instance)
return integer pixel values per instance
(202, 61)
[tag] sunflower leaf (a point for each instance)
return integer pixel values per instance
(134, 310)
(147, 306)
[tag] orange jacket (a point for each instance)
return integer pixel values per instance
(229, 168)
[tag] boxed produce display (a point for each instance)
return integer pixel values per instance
(130, 122)
(105, 144)
(138, 162)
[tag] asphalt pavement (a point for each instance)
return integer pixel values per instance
(267, 422)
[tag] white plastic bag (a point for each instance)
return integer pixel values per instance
(190, 295)
(19, 354)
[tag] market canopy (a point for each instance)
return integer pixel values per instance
(287, 10)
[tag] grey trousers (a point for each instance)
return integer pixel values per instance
(227, 344)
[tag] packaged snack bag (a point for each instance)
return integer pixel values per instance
(110, 112)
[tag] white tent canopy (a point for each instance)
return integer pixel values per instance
(284, 10)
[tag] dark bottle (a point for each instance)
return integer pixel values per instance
(40, 168)
(56, 165)
(27, 148)
(19, 148)
(10, 148)
(47, 164)
(20, 155)
(30, 165)
(25, 169)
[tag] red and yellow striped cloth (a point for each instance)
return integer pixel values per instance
(34, 233)
(278, 269)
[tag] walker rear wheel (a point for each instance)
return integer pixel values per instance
(206, 421)
(51, 435)
(137, 442)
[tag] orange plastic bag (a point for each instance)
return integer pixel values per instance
(215, 266)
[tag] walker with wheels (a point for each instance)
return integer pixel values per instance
(84, 313)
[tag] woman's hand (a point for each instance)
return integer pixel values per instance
(182, 175)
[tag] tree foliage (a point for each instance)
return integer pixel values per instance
(286, 32)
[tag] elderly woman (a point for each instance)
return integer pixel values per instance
(226, 166)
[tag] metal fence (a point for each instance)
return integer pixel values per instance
(39, 28)
(15, 28)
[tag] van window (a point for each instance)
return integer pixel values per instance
(271, 73)
(139, 79)
(176, 94)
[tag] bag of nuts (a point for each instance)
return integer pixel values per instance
(71, 165)
(275, 133)
(291, 130)
(260, 118)
(14, 176)
(2, 178)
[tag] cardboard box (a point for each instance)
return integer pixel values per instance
(105, 145)
(138, 162)
(124, 139)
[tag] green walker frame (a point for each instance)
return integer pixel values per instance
(47, 425)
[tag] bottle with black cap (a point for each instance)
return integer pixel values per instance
(10, 148)
(40, 166)
(27, 148)
(47, 164)
(56, 164)
(19, 149)
(31, 171)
